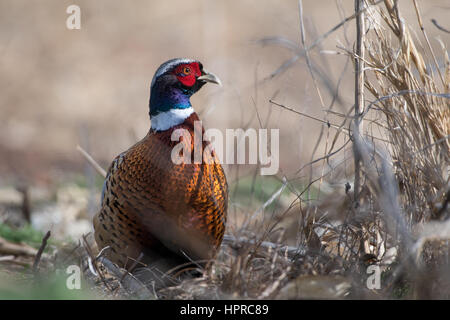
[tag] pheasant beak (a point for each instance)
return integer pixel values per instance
(209, 77)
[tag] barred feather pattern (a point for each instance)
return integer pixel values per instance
(151, 205)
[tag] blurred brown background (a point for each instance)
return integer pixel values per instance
(61, 87)
(65, 87)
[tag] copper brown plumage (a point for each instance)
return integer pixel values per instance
(167, 211)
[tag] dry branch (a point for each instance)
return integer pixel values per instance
(359, 93)
(130, 283)
(40, 251)
(290, 251)
(11, 248)
(91, 160)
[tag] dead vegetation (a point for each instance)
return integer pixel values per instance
(398, 220)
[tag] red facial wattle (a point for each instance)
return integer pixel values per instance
(187, 73)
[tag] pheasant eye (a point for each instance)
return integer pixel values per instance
(186, 70)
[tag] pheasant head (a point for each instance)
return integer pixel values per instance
(172, 86)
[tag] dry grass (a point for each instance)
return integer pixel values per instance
(415, 105)
(399, 223)
(405, 186)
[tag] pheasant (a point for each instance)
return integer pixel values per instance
(168, 213)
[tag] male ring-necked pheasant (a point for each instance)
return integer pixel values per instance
(172, 213)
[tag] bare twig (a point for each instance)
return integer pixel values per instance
(359, 93)
(7, 247)
(274, 196)
(301, 52)
(133, 265)
(129, 282)
(308, 60)
(329, 124)
(7, 258)
(275, 285)
(357, 13)
(91, 160)
(25, 202)
(40, 251)
(304, 114)
(439, 26)
(419, 18)
(14, 260)
(289, 250)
